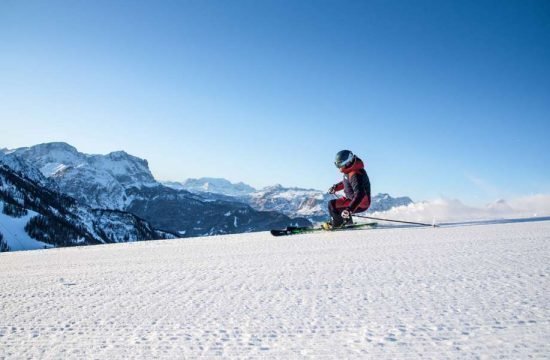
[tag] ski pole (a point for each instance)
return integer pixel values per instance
(398, 221)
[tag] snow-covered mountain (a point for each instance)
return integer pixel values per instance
(99, 181)
(192, 215)
(34, 216)
(212, 185)
(15, 163)
(119, 181)
(308, 203)
(385, 202)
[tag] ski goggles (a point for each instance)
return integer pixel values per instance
(345, 163)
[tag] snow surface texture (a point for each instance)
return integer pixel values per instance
(480, 291)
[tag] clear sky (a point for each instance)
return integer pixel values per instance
(440, 98)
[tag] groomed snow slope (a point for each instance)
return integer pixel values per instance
(455, 292)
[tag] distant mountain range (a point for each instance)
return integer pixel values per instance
(53, 195)
(216, 186)
(293, 202)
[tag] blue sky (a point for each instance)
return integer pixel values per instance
(440, 98)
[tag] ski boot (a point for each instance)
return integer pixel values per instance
(348, 221)
(327, 225)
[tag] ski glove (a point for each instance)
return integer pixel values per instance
(346, 214)
(332, 189)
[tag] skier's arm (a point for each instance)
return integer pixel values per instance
(336, 187)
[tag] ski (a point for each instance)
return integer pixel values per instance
(295, 230)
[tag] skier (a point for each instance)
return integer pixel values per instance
(356, 186)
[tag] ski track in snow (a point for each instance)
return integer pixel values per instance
(480, 291)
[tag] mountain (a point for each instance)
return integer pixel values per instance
(293, 202)
(191, 215)
(120, 181)
(213, 185)
(16, 164)
(384, 202)
(33, 216)
(309, 203)
(99, 181)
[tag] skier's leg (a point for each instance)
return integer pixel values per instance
(365, 203)
(335, 207)
(363, 206)
(334, 215)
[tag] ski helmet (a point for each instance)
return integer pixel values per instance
(344, 158)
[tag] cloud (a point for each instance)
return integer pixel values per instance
(536, 204)
(444, 210)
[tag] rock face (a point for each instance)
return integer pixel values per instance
(99, 181)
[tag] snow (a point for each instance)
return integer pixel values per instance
(311, 211)
(15, 236)
(51, 169)
(278, 192)
(213, 185)
(479, 291)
